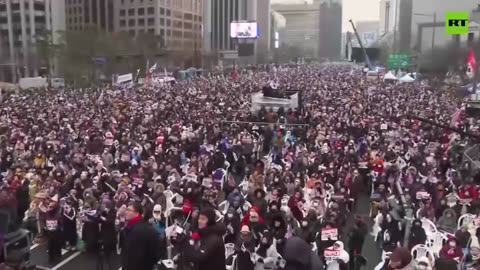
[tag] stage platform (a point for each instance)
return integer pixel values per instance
(258, 100)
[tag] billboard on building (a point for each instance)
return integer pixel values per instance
(243, 29)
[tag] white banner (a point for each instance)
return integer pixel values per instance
(125, 78)
(329, 234)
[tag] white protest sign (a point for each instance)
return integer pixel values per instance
(329, 234)
(422, 195)
(190, 178)
(331, 254)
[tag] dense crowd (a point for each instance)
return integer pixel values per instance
(188, 172)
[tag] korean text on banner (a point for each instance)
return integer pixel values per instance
(331, 234)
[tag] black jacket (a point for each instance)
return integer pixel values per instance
(140, 247)
(211, 253)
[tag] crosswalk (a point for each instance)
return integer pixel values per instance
(70, 260)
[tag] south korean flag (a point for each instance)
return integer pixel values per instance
(471, 64)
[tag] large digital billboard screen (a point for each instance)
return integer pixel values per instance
(243, 30)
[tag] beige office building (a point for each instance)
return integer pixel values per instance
(91, 13)
(178, 21)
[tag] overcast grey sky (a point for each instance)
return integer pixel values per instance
(357, 10)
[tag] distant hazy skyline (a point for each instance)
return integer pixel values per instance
(357, 10)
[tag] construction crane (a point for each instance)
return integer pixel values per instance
(367, 59)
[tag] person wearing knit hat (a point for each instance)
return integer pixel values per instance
(210, 254)
(401, 259)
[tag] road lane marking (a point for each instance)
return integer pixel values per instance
(32, 247)
(73, 256)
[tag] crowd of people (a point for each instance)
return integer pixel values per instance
(188, 172)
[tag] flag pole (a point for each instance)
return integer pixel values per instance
(475, 81)
(475, 72)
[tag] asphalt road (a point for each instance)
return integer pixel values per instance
(370, 249)
(75, 260)
(70, 260)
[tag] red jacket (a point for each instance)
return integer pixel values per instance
(296, 212)
(455, 253)
(246, 217)
(471, 190)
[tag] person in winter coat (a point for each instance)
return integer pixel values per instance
(452, 250)
(343, 257)
(266, 252)
(395, 230)
(295, 203)
(273, 211)
(256, 181)
(417, 234)
(236, 200)
(463, 237)
(448, 221)
(258, 200)
(446, 264)
(401, 259)
(356, 239)
(232, 223)
(324, 241)
(424, 263)
(255, 222)
(298, 255)
(305, 231)
(53, 231)
(244, 247)
(139, 241)
(158, 222)
(468, 192)
(158, 196)
(210, 255)
(473, 259)
(107, 233)
(69, 221)
(279, 230)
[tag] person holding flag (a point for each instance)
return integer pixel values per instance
(471, 71)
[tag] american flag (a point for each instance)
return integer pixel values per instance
(457, 117)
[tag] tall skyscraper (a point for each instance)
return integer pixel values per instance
(92, 13)
(20, 23)
(330, 29)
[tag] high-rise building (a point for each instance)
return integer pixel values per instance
(301, 29)
(21, 21)
(178, 22)
(330, 29)
(220, 13)
(91, 13)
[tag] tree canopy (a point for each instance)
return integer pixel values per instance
(87, 55)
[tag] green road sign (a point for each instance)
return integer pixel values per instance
(398, 60)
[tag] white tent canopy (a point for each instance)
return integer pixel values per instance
(406, 79)
(389, 76)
